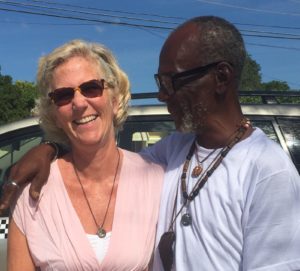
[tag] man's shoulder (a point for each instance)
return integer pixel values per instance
(268, 154)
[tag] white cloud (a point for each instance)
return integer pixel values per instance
(99, 29)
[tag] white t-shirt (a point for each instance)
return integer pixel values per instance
(247, 215)
(99, 245)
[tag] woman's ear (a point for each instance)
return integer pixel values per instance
(115, 104)
(224, 77)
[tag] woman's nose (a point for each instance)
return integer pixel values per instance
(79, 100)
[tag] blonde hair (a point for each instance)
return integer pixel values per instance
(115, 77)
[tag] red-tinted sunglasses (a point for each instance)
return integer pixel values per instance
(90, 89)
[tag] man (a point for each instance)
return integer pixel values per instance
(231, 197)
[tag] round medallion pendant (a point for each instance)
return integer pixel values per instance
(101, 233)
(186, 219)
(196, 171)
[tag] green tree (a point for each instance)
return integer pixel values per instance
(29, 93)
(275, 85)
(251, 80)
(17, 100)
(251, 76)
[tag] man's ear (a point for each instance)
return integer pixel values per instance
(224, 77)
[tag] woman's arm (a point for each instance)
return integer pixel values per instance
(18, 255)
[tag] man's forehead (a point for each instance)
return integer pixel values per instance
(181, 50)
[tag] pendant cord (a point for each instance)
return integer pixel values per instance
(198, 168)
(85, 196)
(205, 158)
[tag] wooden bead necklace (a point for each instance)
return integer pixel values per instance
(244, 125)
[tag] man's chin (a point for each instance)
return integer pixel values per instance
(183, 123)
(183, 128)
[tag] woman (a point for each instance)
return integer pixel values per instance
(99, 208)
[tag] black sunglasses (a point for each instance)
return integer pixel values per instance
(170, 83)
(90, 89)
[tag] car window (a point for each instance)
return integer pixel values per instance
(14, 144)
(141, 131)
(290, 128)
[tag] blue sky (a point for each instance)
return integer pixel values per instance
(26, 37)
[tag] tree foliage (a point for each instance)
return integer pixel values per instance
(275, 85)
(251, 76)
(17, 100)
(251, 80)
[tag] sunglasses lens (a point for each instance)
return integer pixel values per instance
(62, 96)
(164, 84)
(92, 88)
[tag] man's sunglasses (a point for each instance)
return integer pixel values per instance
(169, 83)
(90, 89)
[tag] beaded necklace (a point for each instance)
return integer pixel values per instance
(165, 245)
(188, 197)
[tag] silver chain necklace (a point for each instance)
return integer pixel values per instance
(101, 232)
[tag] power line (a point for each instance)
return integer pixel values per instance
(248, 8)
(54, 24)
(273, 46)
(84, 12)
(253, 33)
(274, 36)
(296, 37)
(110, 10)
(158, 15)
(271, 34)
(140, 14)
(148, 31)
(270, 26)
(85, 19)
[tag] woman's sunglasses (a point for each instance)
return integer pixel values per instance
(90, 89)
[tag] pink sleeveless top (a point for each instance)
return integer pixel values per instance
(56, 237)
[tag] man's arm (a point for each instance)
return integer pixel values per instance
(158, 153)
(33, 167)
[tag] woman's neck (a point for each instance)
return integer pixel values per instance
(96, 164)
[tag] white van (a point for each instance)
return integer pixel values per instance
(276, 113)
